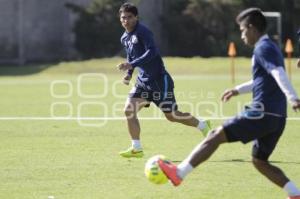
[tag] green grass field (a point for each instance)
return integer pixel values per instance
(43, 153)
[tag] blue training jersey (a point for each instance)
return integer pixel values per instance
(267, 56)
(143, 54)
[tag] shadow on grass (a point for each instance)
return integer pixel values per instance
(23, 70)
(245, 161)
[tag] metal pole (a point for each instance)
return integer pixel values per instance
(232, 70)
(289, 60)
(21, 60)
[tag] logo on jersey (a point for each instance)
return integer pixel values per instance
(129, 42)
(253, 60)
(134, 39)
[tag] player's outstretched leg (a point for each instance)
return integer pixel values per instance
(187, 119)
(200, 154)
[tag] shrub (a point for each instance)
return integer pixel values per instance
(97, 28)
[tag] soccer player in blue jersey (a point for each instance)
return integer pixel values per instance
(263, 122)
(153, 84)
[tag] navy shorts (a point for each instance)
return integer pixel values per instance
(264, 131)
(160, 91)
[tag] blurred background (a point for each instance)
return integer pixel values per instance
(63, 30)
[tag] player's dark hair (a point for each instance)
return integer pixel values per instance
(253, 16)
(129, 7)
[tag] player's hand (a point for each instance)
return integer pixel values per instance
(126, 79)
(296, 105)
(228, 94)
(124, 66)
(298, 63)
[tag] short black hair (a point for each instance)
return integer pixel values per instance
(253, 16)
(129, 7)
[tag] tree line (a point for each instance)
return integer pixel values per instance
(205, 27)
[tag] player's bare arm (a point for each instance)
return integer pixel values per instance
(126, 79)
(243, 88)
(298, 63)
(124, 66)
(228, 94)
(296, 105)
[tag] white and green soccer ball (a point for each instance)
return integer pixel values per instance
(153, 172)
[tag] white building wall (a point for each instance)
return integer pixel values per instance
(36, 30)
(41, 30)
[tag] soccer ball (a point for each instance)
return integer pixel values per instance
(152, 171)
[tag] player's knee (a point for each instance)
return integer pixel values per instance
(129, 112)
(170, 117)
(259, 164)
(212, 140)
(217, 136)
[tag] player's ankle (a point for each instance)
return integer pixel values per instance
(136, 145)
(183, 169)
(291, 189)
(201, 125)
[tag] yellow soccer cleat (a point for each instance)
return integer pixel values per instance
(132, 153)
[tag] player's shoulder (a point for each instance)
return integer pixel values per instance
(266, 46)
(124, 35)
(265, 43)
(142, 29)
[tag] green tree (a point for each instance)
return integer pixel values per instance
(205, 27)
(97, 29)
(285, 7)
